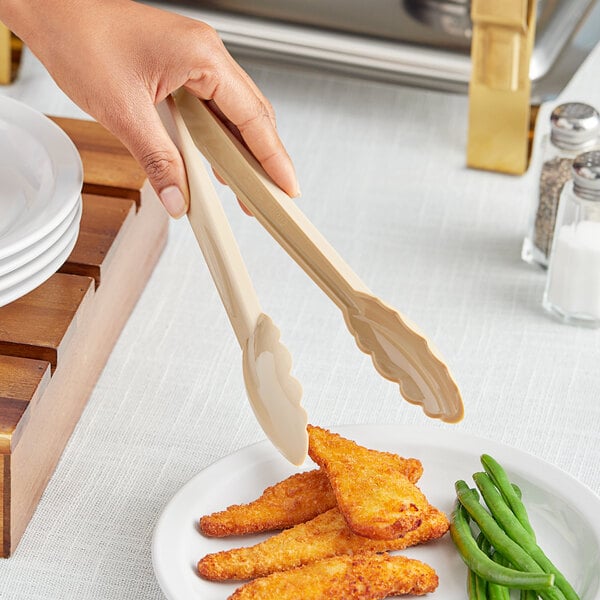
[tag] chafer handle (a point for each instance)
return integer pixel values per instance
(500, 115)
(11, 48)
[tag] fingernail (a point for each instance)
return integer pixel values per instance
(173, 200)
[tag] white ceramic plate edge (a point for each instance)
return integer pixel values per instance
(15, 261)
(24, 287)
(40, 262)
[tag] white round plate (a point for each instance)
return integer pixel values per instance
(563, 511)
(15, 261)
(41, 176)
(40, 262)
(37, 278)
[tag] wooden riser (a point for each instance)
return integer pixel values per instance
(54, 342)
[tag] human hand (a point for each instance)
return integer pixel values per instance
(118, 59)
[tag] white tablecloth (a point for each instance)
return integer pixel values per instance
(382, 171)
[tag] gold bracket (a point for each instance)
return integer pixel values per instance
(500, 88)
(11, 48)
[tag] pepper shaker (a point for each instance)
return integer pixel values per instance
(574, 129)
(573, 282)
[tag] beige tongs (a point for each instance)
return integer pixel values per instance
(399, 352)
(273, 393)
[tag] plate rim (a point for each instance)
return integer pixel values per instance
(68, 168)
(37, 249)
(265, 450)
(36, 279)
(44, 259)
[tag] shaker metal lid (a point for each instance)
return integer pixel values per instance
(574, 124)
(586, 175)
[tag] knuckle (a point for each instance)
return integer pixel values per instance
(209, 80)
(210, 35)
(157, 164)
(206, 82)
(205, 37)
(260, 113)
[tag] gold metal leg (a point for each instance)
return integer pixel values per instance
(5, 55)
(500, 89)
(10, 55)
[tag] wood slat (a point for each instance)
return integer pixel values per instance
(40, 324)
(22, 383)
(5, 504)
(104, 223)
(108, 167)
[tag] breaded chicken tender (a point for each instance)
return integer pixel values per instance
(294, 500)
(373, 494)
(362, 577)
(324, 536)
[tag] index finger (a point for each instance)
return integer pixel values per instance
(246, 108)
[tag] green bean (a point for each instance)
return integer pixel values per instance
(472, 585)
(501, 541)
(484, 586)
(511, 496)
(498, 592)
(495, 591)
(476, 586)
(528, 595)
(513, 528)
(484, 566)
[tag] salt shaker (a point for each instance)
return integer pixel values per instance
(573, 281)
(574, 128)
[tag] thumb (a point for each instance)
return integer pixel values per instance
(148, 141)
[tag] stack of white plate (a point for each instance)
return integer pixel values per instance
(40, 198)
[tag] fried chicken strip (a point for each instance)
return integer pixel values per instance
(362, 577)
(324, 536)
(376, 498)
(294, 500)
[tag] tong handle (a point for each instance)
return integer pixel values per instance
(213, 233)
(273, 208)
